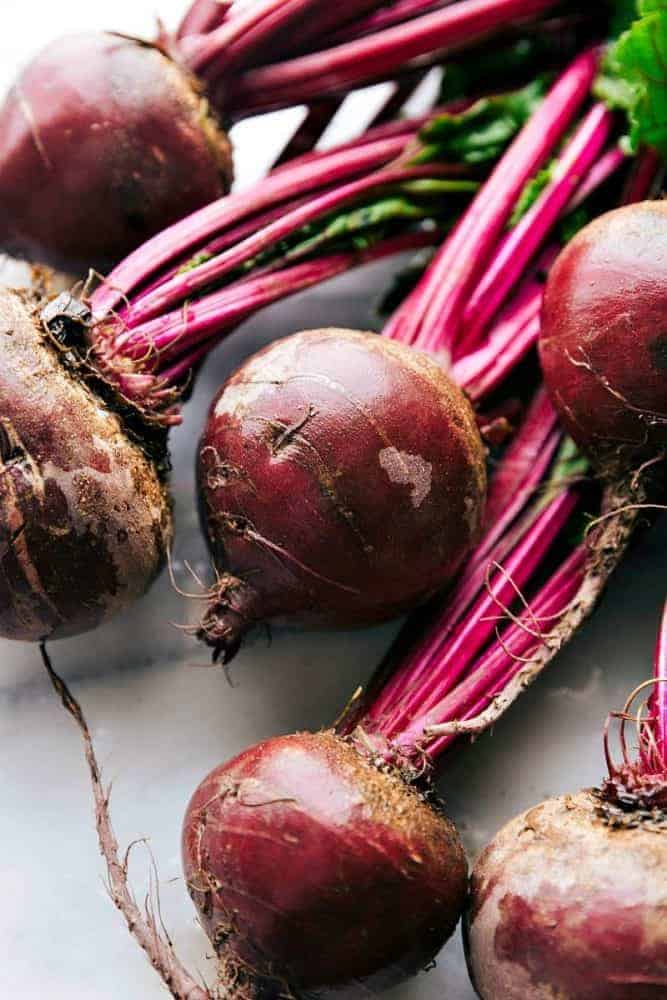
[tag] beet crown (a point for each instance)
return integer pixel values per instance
(84, 516)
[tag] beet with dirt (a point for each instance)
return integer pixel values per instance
(342, 479)
(85, 519)
(372, 877)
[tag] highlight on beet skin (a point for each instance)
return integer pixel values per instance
(570, 898)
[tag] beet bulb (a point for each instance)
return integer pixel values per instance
(102, 134)
(570, 898)
(342, 480)
(85, 520)
(313, 870)
(603, 344)
(565, 904)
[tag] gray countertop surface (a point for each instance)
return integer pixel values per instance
(161, 717)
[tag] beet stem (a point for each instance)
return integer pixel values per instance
(204, 16)
(518, 247)
(431, 316)
(240, 38)
(452, 659)
(309, 175)
(498, 665)
(659, 700)
(182, 286)
(513, 485)
(370, 58)
(142, 925)
(191, 333)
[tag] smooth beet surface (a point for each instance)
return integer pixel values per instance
(313, 870)
(342, 479)
(565, 905)
(85, 521)
(604, 336)
(103, 135)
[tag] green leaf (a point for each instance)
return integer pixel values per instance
(531, 192)
(569, 466)
(634, 77)
(483, 131)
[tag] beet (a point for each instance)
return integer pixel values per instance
(372, 877)
(566, 904)
(570, 898)
(102, 134)
(342, 479)
(85, 520)
(603, 344)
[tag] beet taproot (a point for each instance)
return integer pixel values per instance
(372, 877)
(85, 520)
(342, 480)
(603, 344)
(104, 141)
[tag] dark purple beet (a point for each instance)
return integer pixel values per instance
(567, 904)
(604, 336)
(312, 870)
(343, 481)
(104, 141)
(85, 521)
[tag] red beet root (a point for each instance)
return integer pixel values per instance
(570, 899)
(564, 904)
(371, 878)
(103, 134)
(342, 478)
(603, 344)
(85, 521)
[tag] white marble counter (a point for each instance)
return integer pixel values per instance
(161, 719)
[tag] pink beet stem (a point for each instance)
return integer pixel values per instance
(321, 171)
(177, 335)
(370, 58)
(431, 316)
(518, 247)
(239, 38)
(203, 16)
(484, 369)
(659, 700)
(649, 166)
(500, 663)
(183, 285)
(474, 631)
(512, 487)
(397, 13)
(318, 118)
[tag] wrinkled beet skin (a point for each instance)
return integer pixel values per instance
(308, 864)
(103, 143)
(85, 522)
(305, 494)
(564, 906)
(605, 306)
